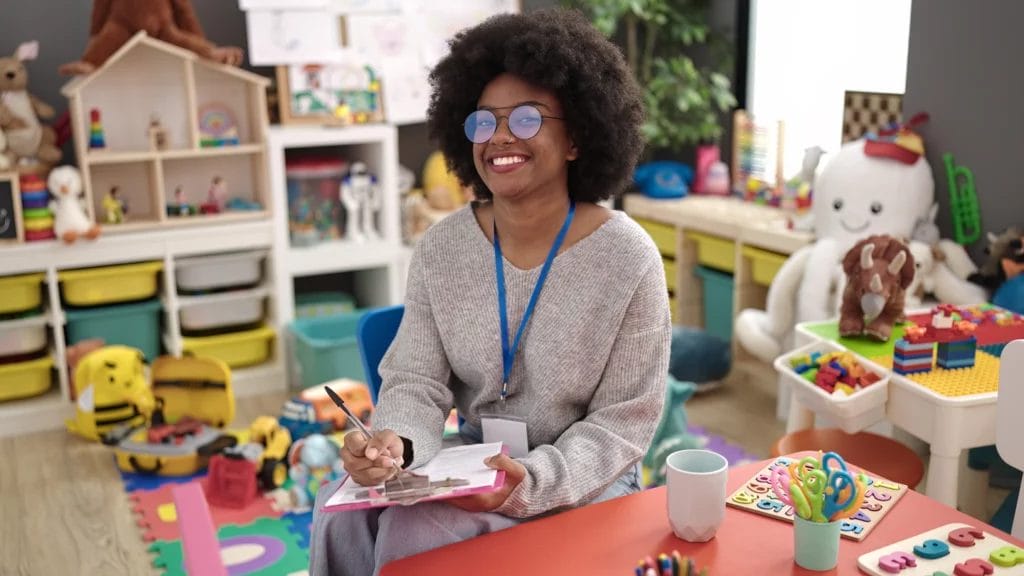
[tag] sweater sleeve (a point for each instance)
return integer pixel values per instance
(414, 399)
(621, 418)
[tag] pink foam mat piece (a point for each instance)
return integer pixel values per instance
(147, 504)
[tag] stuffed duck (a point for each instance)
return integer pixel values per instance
(70, 220)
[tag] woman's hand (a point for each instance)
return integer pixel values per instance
(514, 475)
(372, 462)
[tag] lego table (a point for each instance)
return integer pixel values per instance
(952, 410)
(608, 539)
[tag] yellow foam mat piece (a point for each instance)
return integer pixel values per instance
(982, 378)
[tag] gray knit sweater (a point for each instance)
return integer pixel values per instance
(589, 375)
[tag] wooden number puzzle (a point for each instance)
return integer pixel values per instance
(757, 496)
(953, 550)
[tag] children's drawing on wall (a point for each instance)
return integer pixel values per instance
(344, 93)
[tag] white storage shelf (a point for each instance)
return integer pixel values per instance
(172, 247)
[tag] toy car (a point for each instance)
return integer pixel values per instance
(355, 394)
(267, 448)
(300, 418)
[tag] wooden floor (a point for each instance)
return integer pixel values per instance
(63, 510)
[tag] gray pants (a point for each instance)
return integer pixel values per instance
(358, 543)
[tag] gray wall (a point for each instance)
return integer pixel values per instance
(963, 69)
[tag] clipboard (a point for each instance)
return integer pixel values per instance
(454, 472)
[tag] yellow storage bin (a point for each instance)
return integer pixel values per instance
(110, 284)
(20, 293)
(714, 252)
(24, 379)
(764, 265)
(237, 349)
(664, 235)
(671, 276)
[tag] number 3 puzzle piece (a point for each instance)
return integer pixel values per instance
(931, 549)
(973, 567)
(896, 561)
(964, 537)
(1007, 556)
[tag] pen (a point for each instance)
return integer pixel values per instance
(341, 404)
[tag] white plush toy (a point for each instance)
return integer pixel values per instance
(855, 196)
(5, 158)
(70, 219)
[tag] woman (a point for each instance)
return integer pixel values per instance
(541, 115)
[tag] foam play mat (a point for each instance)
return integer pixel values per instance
(265, 547)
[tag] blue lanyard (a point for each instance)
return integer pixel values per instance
(508, 353)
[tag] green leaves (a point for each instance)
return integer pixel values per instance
(684, 102)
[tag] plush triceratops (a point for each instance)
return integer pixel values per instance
(878, 270)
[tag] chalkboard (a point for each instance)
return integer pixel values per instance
(10, 213)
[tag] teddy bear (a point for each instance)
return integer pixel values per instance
(20, 111)
(114, 22)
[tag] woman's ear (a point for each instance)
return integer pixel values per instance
(574, 152)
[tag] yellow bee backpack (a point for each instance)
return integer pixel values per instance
(112, 391)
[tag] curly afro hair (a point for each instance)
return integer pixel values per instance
(556, 49)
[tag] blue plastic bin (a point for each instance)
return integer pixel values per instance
(326, 348)
(717, 302)
(136, 325)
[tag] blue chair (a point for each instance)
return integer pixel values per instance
(376, 330)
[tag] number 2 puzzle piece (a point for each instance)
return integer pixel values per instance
(973, 567)
(896, 561)
(964, 537)
(931, 549)
(1007, 556)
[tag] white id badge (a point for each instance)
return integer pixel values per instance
(510, 431)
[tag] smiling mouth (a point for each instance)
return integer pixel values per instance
(507, 161)
(853, 229)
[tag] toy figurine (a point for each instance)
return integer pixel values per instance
(878, 269)
(361, 197)
(113, 206)
(313, 461)
(157, 133)
(217, 196)
(70, 219)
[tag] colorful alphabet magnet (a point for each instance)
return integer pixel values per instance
(953, 549)
(757, 496)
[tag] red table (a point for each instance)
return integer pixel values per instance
(609, 538)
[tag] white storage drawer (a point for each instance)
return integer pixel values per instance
(220, 271)
(225, 310)
(22, 336)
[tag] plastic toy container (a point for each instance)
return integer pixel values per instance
(326, 348)
(717, 302)
(136, 325)
(714, 252)
(110, 284)
(664, 235)
(236, 349)
(852, 413)
(24, 336)
(20, 293)
(25, 379)
(764, 265)
(202, 274)
(313, 304)
(222, 311)
(315, 212)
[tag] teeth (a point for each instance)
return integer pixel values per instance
(508, 160)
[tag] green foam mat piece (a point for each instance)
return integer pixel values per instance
(280, 552)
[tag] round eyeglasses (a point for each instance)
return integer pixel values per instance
(524, 122)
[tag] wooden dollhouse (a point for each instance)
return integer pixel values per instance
(175, 139)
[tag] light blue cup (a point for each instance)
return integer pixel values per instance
(816, 544)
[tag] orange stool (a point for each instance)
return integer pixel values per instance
(878, 454)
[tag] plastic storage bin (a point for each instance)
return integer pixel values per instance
(236, 349)
(664, 235)
(315, 212)
(326, 348)
(21, 337)
(718, 289)
(714, 252)
(764, 265)
(222, 311)
(136, 325)
(219, 272)
(110, 284)
(20, 293)
(25, 379)
(313, 304)
(854, 413)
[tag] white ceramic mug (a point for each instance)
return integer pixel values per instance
(696, 493)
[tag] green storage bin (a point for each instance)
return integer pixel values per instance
(326, 348)
(315, 304)
(717, 302)
(136, 325)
